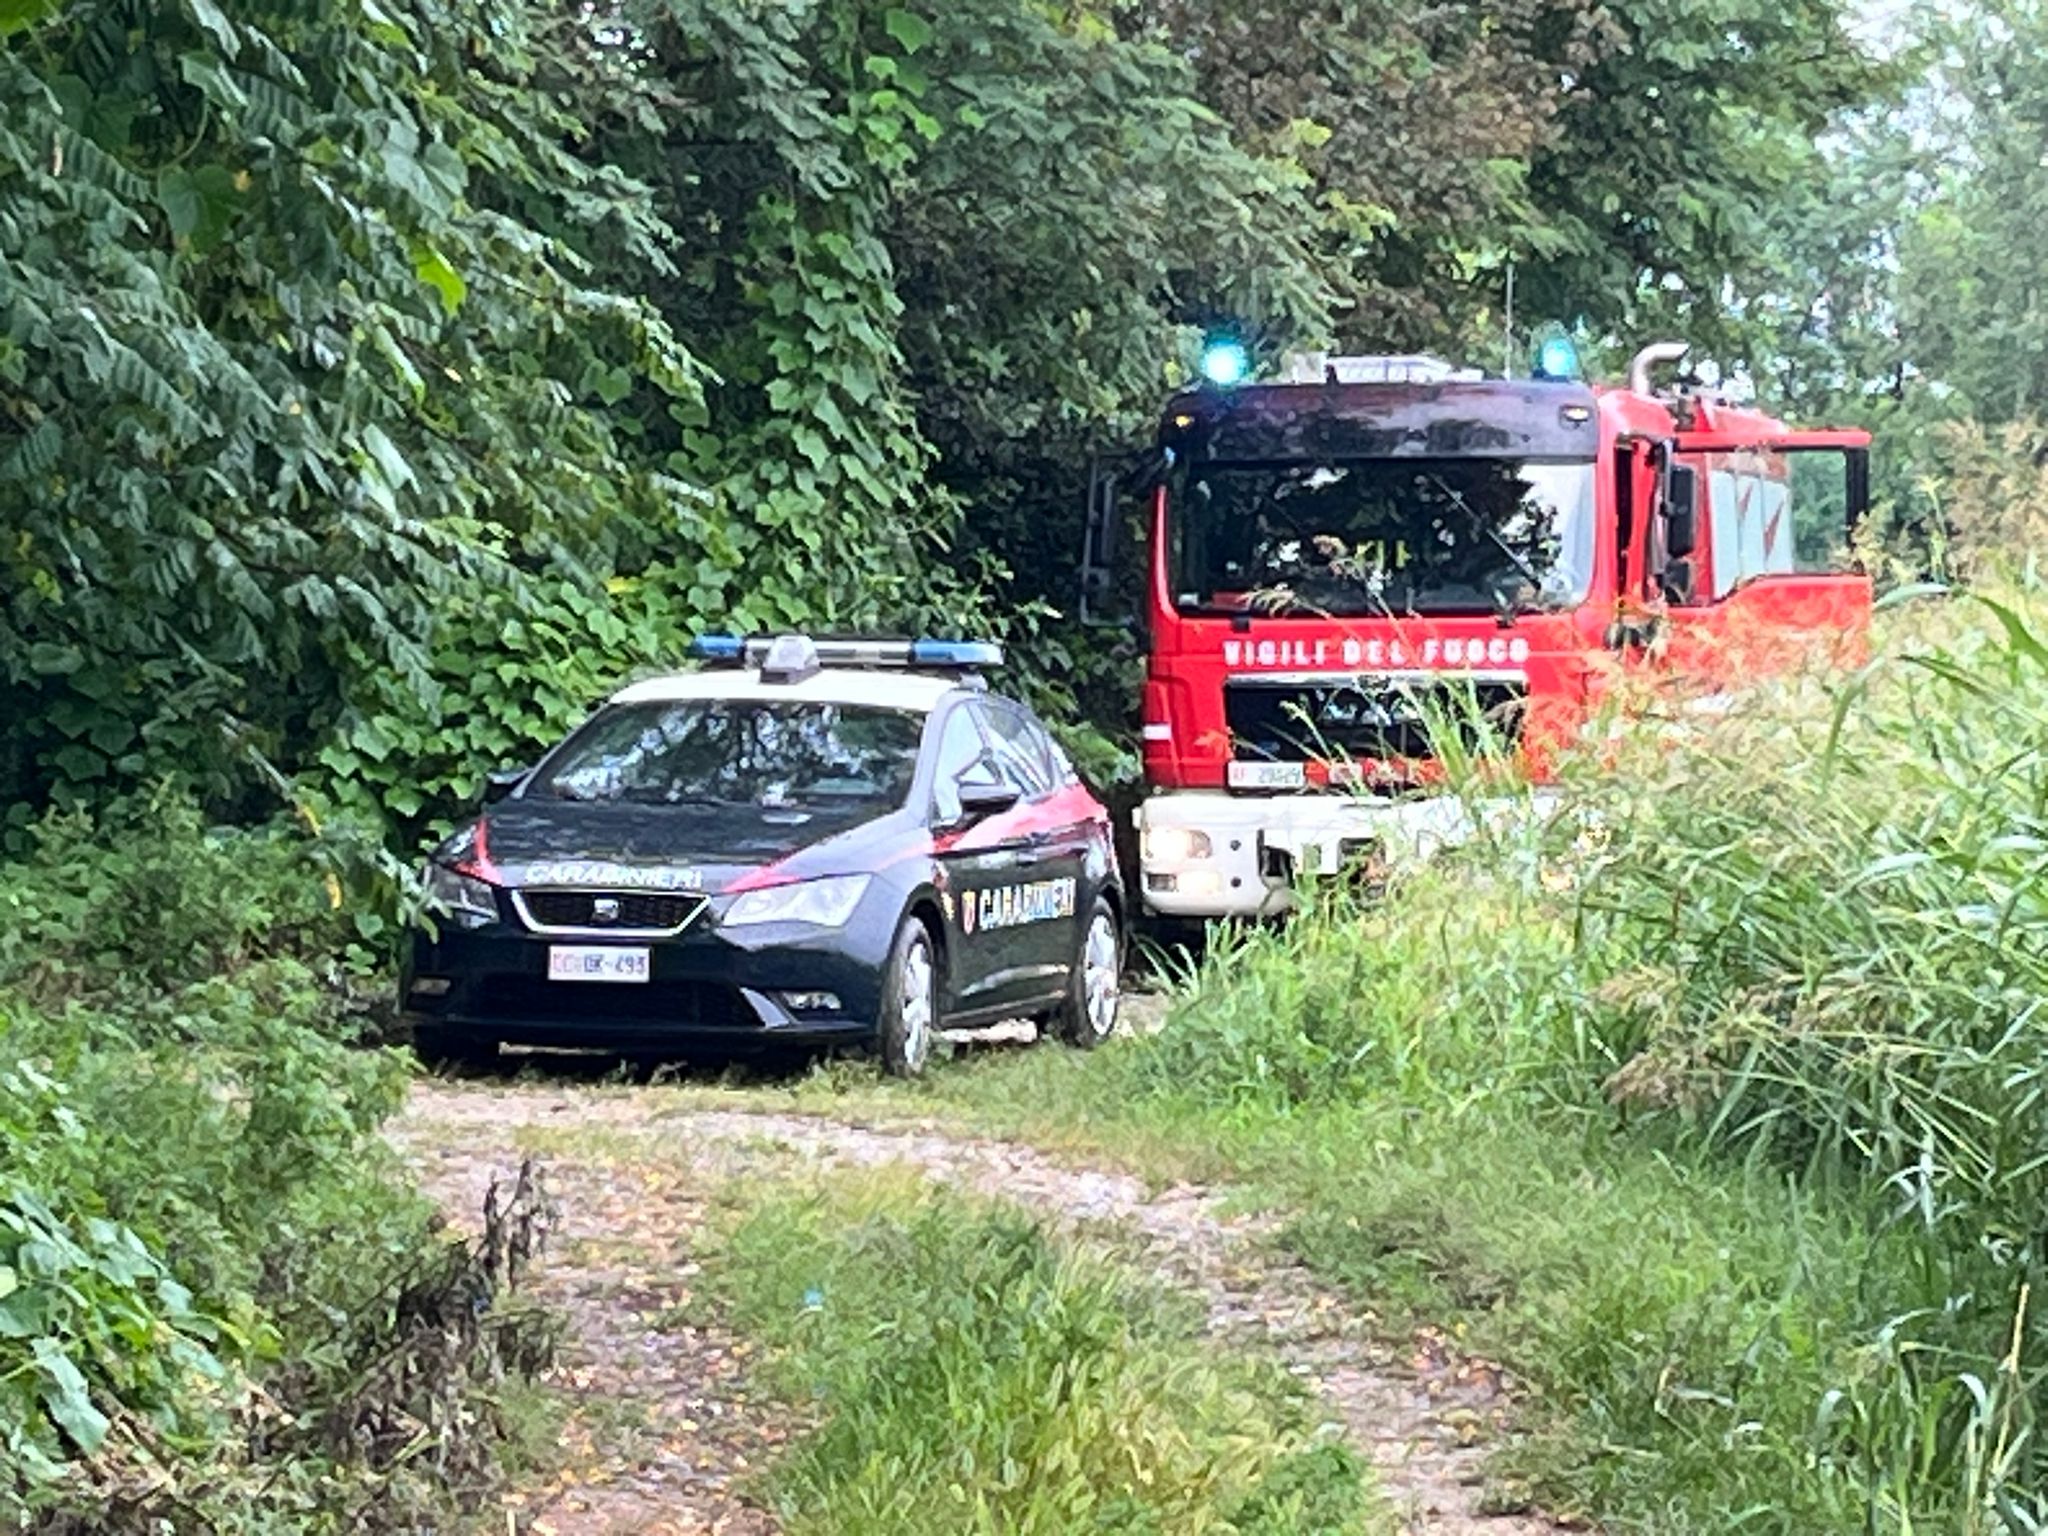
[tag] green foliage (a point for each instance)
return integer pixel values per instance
(171, 904)
(344, 415)
(1624, 159)
(975, 1376)
(1970, 280)
(212, 1275)
(1713, 1114)
(347, 434)
(297, 340)
(79, 1294)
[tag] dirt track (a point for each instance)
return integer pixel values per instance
(664, 1428)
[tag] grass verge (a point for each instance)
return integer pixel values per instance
(976, 1375)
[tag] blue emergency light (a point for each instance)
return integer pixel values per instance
(934, 655)
(955, 653)
(1226, 361)
(1557, 356)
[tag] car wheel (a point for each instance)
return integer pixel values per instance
(441, 1049)
(1095, 986)
(910, 1001)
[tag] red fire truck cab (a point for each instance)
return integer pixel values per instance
(1360, 571)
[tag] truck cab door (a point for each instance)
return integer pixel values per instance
(1770, 571)
(1639, 499)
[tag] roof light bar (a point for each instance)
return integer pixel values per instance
(790, 659)
(1409, 368)
(782, 653)
(955, 653)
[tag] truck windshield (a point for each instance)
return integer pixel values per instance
(1384, 536)
(738, 752)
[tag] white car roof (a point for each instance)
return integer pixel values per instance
(920, 692)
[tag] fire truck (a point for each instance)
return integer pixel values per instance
(1366, 568)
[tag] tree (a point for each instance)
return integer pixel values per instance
(286, 356)
(1619, 156)
(1973, 280)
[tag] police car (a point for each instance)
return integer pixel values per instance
(800, 844)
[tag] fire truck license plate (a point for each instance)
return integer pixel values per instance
(1267, 775)
(596, 962)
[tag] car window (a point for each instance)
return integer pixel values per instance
(737, 752)
(962, 754)
(1021, 748)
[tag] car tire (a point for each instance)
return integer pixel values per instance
(441, 1049)
(1087, 1016)
(909, 1027)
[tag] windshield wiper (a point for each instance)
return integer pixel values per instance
(1487, 528)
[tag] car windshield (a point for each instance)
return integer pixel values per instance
(738, 752)
(1385, 536)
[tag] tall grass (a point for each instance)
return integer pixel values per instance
(1722, 1099)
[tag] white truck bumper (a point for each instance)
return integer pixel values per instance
(1205, 853)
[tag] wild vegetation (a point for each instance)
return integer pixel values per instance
(221, 1307)
(376, 386)
(1711, 1108)
(379, 383)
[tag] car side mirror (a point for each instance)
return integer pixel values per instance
(983, 799)
(501, 782)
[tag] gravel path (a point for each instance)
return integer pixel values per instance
(664, 1427)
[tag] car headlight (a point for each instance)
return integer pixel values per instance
(469, 901)
(828, 903)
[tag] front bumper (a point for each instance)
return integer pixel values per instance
(1259, 844)
(705, 985)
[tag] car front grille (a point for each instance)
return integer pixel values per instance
(685, 1004)
(1366, 719)
(609, 911)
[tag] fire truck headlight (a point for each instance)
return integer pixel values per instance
(1175, 845)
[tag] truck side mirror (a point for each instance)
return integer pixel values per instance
(1857, 469)
(1098, 549)
(1677, 580)
(1110, 480)
(1681, 511)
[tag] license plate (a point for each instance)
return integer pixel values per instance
(596, 962)
(1267, 775)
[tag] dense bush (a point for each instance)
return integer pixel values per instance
(211, 1268)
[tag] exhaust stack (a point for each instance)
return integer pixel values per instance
(1655, 353)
